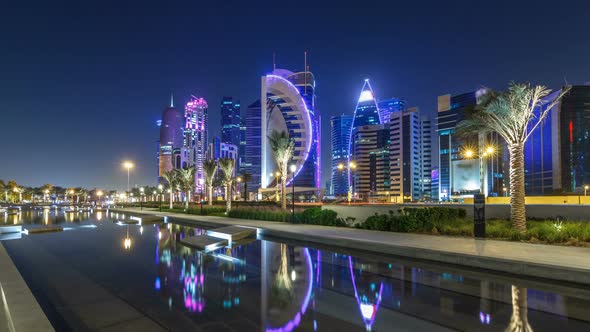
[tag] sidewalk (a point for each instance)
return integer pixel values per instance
(560, 263)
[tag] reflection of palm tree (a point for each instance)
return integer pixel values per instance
(519, 321)
(283, 279)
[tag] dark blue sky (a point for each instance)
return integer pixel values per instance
(83, 83)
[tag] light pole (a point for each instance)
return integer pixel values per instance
(505, 190)
(238, 180)
(201, 180)
(128, 165)
(585, 190)
(293, 168)
(141, 198)
(161, 194)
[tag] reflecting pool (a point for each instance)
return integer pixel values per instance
(99, 263)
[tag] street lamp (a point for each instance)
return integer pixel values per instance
(161, 194)
(352, 168)
(141, 198)
(201, 180)
(585, 190)
(293, 168)
(128, 165)
(99, 194)
(468, 153)
(505, 190)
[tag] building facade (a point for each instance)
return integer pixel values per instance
(252, 157)
(230, 121)
(410, 155)
(388, 106)
(340, 126)
(171, 139)
(289, 105)
(195, 138)
(371, 155)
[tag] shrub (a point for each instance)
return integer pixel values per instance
(319, 216)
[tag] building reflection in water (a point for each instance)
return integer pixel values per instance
(368, 288)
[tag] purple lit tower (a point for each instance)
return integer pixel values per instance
(195, 138)
(290, 106)
(171, 135)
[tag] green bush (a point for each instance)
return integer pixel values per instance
(423, 220)
(262, 214)
(319, 216)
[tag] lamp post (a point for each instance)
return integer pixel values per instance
(585, 190)
(293, 168)
(141, 198)
(99, 194)
(505, 190)
(161, 188)
(201, 180)
(128, 165)
(238, 180)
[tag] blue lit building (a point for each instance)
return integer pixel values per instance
(386, 107)
(458, 174)
(366, 112)
(290, 106)
(251, 162)
(230, 121)
(557, 154)
(340, 134)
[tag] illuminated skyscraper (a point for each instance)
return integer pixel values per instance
(251, 161)
(230, 121)
(195, 138)
(289, 105)
(366, 112)
(340, 126)
(171, 135)
(386, 107)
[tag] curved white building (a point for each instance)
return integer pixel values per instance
(290, 106)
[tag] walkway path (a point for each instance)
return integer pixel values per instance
(534, 260)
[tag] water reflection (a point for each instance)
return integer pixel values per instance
(271, 286)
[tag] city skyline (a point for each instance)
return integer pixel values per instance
(85, 100)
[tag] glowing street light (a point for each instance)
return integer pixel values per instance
(585, 190)
(128, 165)
(340, 166)
(99, 194)
(468, 153)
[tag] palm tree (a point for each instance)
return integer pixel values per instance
(210, 168)
(186, 180)
(4, 188)
(171, 178)
(519, 321)
(512, 115)
(282, 150)
(246, 177)
(227, 167)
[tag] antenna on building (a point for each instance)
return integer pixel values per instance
(274, 61)
(305, 73)
(171, 99)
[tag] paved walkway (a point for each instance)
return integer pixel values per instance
(534, 260)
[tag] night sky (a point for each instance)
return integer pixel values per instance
(83, 83)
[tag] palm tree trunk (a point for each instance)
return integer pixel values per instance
(227, 196)
(171, 202)
(517, 192)
(210, 195)
(519, 321)
(283, 191)
(187, 200)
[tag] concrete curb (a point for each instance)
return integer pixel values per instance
(22, 309)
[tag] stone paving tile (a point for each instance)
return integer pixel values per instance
(141, 324)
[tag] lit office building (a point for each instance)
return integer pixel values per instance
(410, 156)
(251, 160)
(386, 107)
(289, 105)
(195, 138)
(171, 139)
(557, 154)
(459, 155)
(370, 153)
(340, 126)
(230, 121)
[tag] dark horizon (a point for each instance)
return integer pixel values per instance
(83, 85)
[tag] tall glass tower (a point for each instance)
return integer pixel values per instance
(340, 126)
(195, 138)
(366, 112)
(230, 121)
